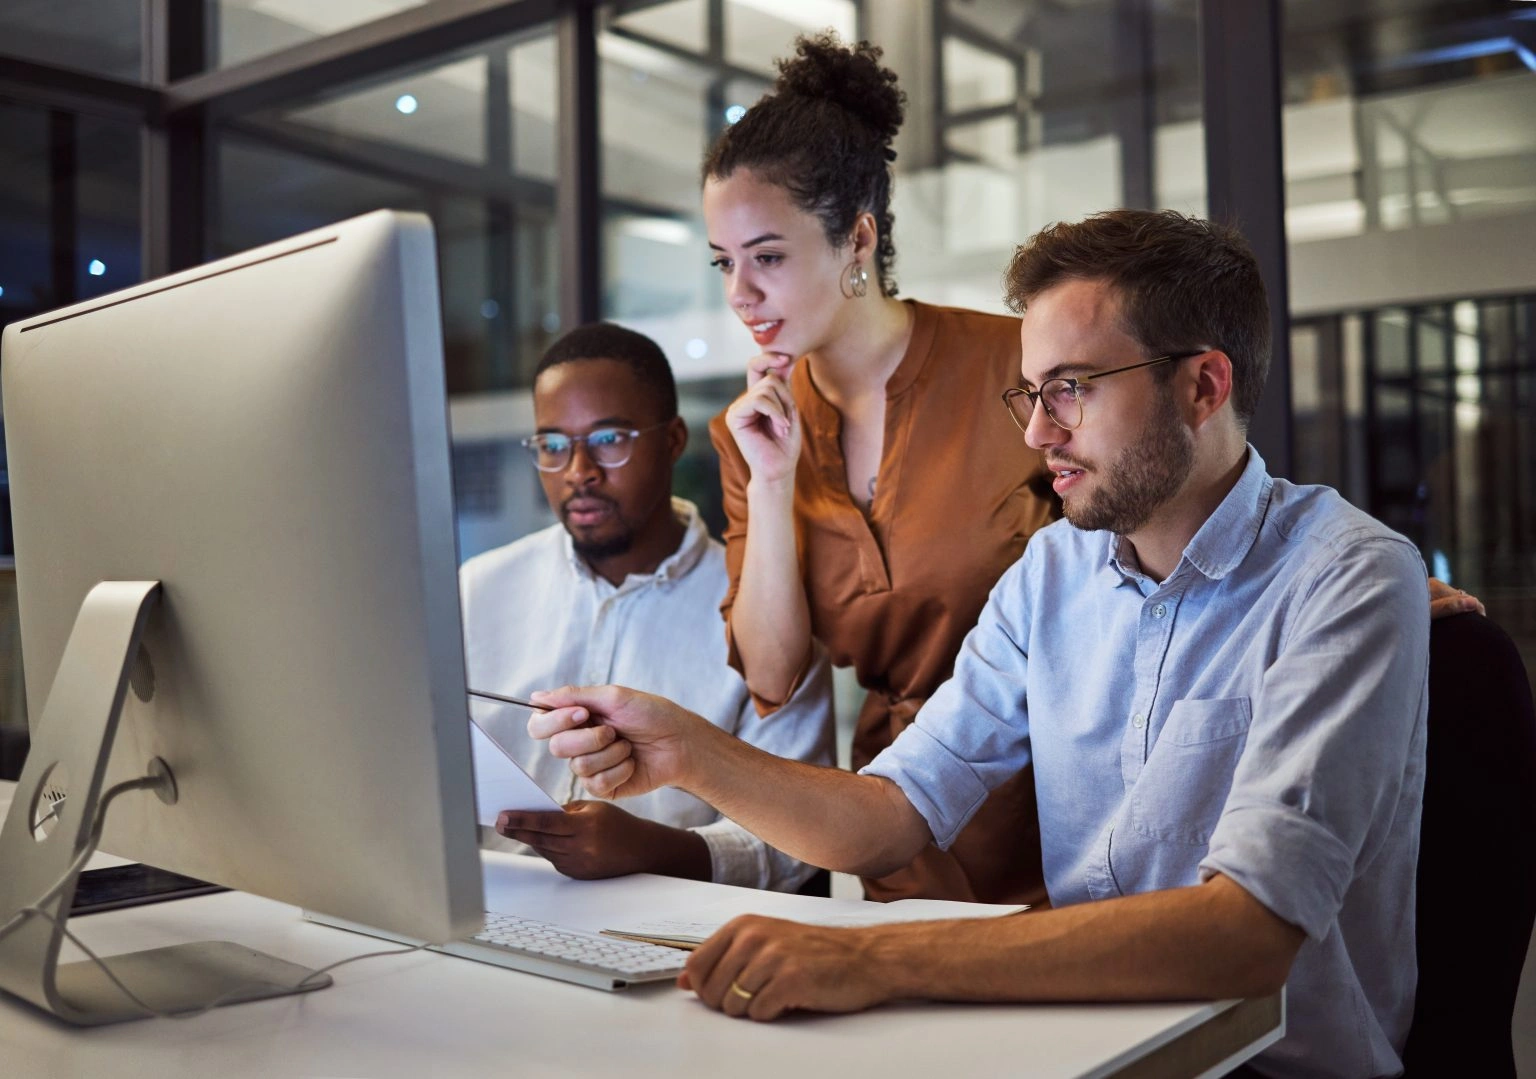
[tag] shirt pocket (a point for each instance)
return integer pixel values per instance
(1183, 786)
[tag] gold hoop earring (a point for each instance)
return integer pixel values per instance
(855, 283)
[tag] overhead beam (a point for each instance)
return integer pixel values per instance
(431, 172)
(373, 50)
(46, 86)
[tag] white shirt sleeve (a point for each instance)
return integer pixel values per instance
(800, 730)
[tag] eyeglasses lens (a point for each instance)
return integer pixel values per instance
(608, 447)
(1061, 401)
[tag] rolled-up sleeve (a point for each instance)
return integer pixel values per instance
(1337, 733)
(973, 734)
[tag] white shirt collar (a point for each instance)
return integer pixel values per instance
(674, 567)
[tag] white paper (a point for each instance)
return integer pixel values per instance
(499, 782)
(701, 922)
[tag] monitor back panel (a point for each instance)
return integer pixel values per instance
(267, 436)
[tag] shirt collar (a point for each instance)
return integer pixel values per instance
(1229, 534)
(1225, 538)
(675, 566)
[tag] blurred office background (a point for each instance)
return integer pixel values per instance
(1381, 154)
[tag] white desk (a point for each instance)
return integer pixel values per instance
(432, 1015)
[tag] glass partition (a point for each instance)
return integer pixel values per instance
(246, 29)
(100, 37)
(1410, 167)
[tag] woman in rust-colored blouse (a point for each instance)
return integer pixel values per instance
(875, 488)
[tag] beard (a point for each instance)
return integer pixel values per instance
(602, 549)
(617, 542)
(1144, 476)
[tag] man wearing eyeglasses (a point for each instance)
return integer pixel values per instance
(1218, 676)
(625, 588)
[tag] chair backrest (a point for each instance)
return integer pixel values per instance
(1477, 854)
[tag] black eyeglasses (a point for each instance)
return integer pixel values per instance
(1062, 396)
(609, 447)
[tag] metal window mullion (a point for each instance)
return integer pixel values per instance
(63, 206)
(50, 86)
(1245, 179)
(941, 155)
(1369, 324)
(500, 220)
(1453, 539)
(1135, 121)
(173, 149)
(1416, 317)
(578, 206)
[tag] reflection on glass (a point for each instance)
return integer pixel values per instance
(1024, 133)
(441, 111)
(656, 118)
(1415, 115)
(247, 29)
(659, 110)
(69, 208)
(471, 141)
(535, 95)
(101, 37)
(682, 23)
(757, 32)
(1439, 436)
(976, 78)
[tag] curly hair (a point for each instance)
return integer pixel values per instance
(824, 134)
(1183, 282)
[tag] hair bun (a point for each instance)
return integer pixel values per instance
(848, 76)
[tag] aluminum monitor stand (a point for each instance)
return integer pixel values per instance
(50, 822)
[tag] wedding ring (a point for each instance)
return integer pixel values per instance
(744, 994)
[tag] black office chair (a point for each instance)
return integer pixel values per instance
(818, 883)
(1477, 855)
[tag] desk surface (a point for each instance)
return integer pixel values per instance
(427, 1014)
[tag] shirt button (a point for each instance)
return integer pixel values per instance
(1159, 611)
(1138, 721)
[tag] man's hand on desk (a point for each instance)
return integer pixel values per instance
(760, 968)
(593, 840)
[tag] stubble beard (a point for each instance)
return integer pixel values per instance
(1144, 476)
(603, 549)
(599, 550)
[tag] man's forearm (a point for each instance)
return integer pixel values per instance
(824, 816)
(1208, 942)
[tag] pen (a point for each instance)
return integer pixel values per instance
(508, 700)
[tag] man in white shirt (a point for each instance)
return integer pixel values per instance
(625, 589)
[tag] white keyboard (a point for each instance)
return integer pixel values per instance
(570, 955)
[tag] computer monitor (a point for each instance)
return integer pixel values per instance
(254, 457)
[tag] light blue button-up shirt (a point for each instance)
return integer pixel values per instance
(1258, 714)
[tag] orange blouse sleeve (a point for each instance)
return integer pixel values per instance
(734, 475)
